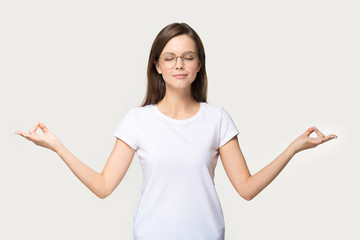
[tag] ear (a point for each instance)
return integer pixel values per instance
(158, 67)
(199, 67)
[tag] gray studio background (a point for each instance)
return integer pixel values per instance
(278, 67)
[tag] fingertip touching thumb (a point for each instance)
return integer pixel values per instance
(42, 126)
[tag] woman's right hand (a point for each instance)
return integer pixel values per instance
(47, 139)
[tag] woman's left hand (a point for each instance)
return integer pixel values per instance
(304, 141)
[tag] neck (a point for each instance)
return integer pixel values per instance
(175, 102)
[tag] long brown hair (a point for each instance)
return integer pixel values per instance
(155, 85)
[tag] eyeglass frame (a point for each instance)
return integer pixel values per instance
(182, 57)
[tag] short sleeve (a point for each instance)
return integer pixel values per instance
(227, 128)
(126, 130)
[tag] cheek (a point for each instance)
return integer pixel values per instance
(166, 72)
(195, 69)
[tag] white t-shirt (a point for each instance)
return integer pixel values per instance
(178, 159)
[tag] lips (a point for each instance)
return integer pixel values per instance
(180, 76)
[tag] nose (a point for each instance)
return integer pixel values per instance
(179, 64)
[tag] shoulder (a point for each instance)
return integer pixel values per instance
(218, 112)
(213, 109)
(141, 111)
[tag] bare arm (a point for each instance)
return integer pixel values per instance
(247, 185)
(101, 184)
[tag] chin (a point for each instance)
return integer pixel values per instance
(180, 85)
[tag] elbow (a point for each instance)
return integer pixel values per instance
(248, 198)
(102, 195)
(247, 192)
(247, 195)
(102, 191)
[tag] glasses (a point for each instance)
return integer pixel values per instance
(188, 58)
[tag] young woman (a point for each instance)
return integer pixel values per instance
(178, 137)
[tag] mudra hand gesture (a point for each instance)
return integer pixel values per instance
(47, 139)
(304, 141)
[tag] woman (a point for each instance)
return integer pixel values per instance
(178, 137)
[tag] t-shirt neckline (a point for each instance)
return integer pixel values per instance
(180, 121)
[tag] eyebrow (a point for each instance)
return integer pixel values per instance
(182, 54)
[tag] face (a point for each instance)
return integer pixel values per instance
(178, 73)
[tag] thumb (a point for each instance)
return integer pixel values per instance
(309, 131)
(43, 127)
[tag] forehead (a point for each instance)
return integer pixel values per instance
(180, 44)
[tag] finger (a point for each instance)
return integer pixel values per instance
(320, 134)
(23, 134)
(33, 129)
(329, 137)
(320, 140)
(309, 131)
(43, 127)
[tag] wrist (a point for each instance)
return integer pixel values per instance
(291, 150)
(59, 148)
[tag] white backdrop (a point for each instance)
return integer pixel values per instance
(278, 67)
